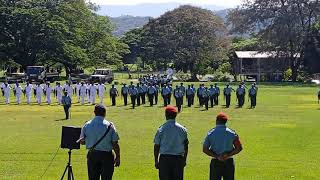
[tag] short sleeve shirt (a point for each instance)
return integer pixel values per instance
(93, 130)
(221, 140)
(171, 137)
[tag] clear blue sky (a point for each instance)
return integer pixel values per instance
(223, 3)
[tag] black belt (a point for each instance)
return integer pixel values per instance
(170, 156)
(101, 152)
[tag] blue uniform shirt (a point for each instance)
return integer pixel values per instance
(171, 137)
(93, 130)
(166, 91)
(133, 91)
(221, 140)
(66, 100)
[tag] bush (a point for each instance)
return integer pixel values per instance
(287, 75)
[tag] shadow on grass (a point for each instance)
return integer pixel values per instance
(63, 119)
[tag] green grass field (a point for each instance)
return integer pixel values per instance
(280, 138)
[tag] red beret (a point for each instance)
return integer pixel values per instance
(222, 116)
(171, 109)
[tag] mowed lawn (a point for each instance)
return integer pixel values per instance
(281, 137)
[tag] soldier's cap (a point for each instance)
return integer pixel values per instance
(222, 117)
(171, 110)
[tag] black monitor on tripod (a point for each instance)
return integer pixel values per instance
(69, 138)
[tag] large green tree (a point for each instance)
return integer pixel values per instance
(285, 24)
(189, 37)
(46, 32)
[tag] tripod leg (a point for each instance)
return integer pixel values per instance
(65, 170)
(71, 172)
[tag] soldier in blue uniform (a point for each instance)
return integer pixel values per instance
(205, 97)
(170, 94)
(253, 96)
(200, 93)
(113, 95)
(183, 89)
(190, 95)
(140, 93)
(216, 94)
(144, 88)
(241, 92)
(133, 94)
(156, 96)
(171, 143)
(194, 92)
(124, 94)
(66, 102)
(178, 95)
(165, 91)
(227, 94)
(221, 144)
(212, 91)
(151, 93)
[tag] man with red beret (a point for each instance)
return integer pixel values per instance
(171, 142)
(222, 144)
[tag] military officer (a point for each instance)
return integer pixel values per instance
(194, 92)
(133, 94)
(241, 92)
(66, 102)
(101, 89)
(58, 90)
(88, 85)
(151, 93)
(83, 92)
(227, 94)
(170, 93)
(206, 97)
(18, 92)
(216, 94)
(124, 94)
(200, 94)
(140, 92)
(100, 157)
(144, 88)
(48, 90)
(221, 144)
(165, 91)
(68, 88)
(77, 91)
(190, 95)
(93, 93)
(183, 89)
(253, 96)
(39, 91)
(6, 91)
(28, 92)
(178, 95)
(171, 143)
(113, 94)
(212, 91)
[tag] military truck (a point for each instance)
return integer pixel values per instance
(102, 75)
(39, 74)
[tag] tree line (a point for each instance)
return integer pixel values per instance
(189, 39)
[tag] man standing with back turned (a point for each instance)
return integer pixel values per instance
(171, 142)
(222, 144)
(100, 137)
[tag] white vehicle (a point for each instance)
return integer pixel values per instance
(102, 75)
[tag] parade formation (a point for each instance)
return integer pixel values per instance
(147, 90)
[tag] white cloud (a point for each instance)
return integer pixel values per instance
(224, 3)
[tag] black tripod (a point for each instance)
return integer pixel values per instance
(69, 168)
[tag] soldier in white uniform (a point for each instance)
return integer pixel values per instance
(88, 92)
(28, 92)
(68, 88)
(18, 93)
(39, 91)
(6, 91)
(58, 92)
(83, 91)
(93, 93)
(101, 90)
(48, 90)
(77, 91)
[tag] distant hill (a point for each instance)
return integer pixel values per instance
(124, 24)
(145, 10)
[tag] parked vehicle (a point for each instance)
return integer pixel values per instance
(102, 75)
(39, 74)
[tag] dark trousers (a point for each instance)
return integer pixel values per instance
(212, 101)
(125, 99)
(156, 98)
(189, 98)
(133, 101)
(171, 167)
(150, 96)
(113, 99)
(216, 99)
(200, 100)
(138, 100)
(169, 98)
(179, 103)
(192, 97)
(240, 100)
(253, 99)
(100, 164)
(228, 100)
(143, 98)
(219, 170)
(206, 102)
(66, 110)
(165, 100)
